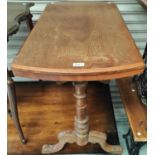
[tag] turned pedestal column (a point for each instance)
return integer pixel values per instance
(81, 134)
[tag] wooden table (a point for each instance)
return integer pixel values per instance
(79, 42)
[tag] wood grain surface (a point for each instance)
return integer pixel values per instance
(135, 109)
(92, 34)
(45, 109)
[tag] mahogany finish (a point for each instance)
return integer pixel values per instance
(90, 33)
(81, 134)
(79, 42)
(46, 108)
(135, 109)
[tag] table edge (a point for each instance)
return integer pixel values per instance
(78, 74)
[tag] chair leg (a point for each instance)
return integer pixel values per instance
(29, 21)
(8, 107)
(13, 108)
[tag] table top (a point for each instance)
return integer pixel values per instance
(79, 42)
(15, 13)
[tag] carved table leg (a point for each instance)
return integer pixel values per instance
(81, 119)
(63, 137)
(13, 108)
(100, 138)
(81, 134)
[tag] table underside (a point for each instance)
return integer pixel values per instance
(57, 101)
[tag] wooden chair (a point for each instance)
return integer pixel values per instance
(16, 13)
